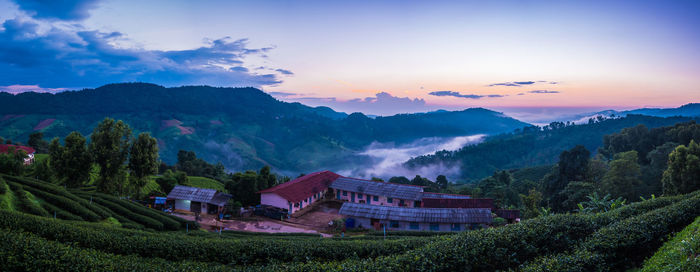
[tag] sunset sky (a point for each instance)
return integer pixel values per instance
(378, 57)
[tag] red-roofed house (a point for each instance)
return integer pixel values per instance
(298, 193)
(5, 148)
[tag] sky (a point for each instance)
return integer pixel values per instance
(526, 58)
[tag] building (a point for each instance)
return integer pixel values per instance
(377, 192)
(5, 148)
(299, 193)
(206, 201)
(416, 219)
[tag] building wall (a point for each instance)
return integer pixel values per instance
(382, 200)
(182, 204)
(361, 222)
(275, 200)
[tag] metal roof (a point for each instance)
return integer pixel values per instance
(444, 196)
(199, 195)
(378, 188)
(424, 215)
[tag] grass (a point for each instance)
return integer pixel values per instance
(681, 253)
(7, 200)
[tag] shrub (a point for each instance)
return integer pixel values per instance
(3, 186)
(60, 213)
(66, 204)
(26, 252)
(24, 203)
(680, 253)
(623, 244)
(176, 246)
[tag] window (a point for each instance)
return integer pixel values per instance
(394, 224)
(455, 227)
(376, 198)
(389, 200)
(401, 202)
(434, 226)
(359, 196)
(345, 193)
(413, 225)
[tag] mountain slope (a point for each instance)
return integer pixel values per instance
(243, 128)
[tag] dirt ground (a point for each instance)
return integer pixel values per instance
(318, 217)
(314, 221)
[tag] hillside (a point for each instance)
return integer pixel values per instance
(244, 128)
(531, 147)
(44, 199)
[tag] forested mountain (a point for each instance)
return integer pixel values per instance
(534, 145)
(244, 128)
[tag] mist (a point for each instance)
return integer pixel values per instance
(387, 158)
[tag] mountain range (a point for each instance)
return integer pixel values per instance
(243, 128)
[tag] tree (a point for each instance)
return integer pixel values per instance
(442, 182)
(110, 147)
(12, 162)
(596, 204)
(265, 178)
(572, 166)
(576, 192)
(243, 186)
(169, 179)
(143, 159)
(399, 180)
(531, 203)
(71, 163)
(683, 172)
(36, 141)
(622, 180)
(498, 187)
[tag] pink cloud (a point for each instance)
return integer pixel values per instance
(16, 89)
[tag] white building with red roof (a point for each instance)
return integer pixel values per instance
(6, 148)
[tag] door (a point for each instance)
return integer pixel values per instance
(290, 208)
(369, 200)
(337, 194)
(352, 197)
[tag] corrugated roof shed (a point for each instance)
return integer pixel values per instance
(458, 203)
(444, 196)
(378, 188)
(425, 215)
(199, 195)
(303, 187)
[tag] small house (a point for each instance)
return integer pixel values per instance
(377, 192)
(5, 148)
(199, 200)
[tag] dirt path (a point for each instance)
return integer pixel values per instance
(256, 224)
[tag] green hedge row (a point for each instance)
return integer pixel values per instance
(27, 252)
(410, 233)
(3, 186)
(131, 216)
(624, 244)
(177, 246)
(59, 191)
(493, 249)
(682, 253)
(168, 221)
(24, 203)
(64, 203)
(60, 213)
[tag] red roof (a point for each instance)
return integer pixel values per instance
(4, 148)
(303, 187)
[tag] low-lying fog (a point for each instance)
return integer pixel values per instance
(387, 158)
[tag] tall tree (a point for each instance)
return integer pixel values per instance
(265, 178)
(143, 159)
(683, 172)
(72, 162)
(531, 203)
(442, 182)
(110, 147)
(36, 141)
(622, 180)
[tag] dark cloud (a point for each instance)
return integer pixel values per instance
(69, 10)
(284, 72)
(78, 58)
(457, 94)
(543, 92)
(520, 83)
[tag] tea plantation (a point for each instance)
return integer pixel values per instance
(48, 228)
